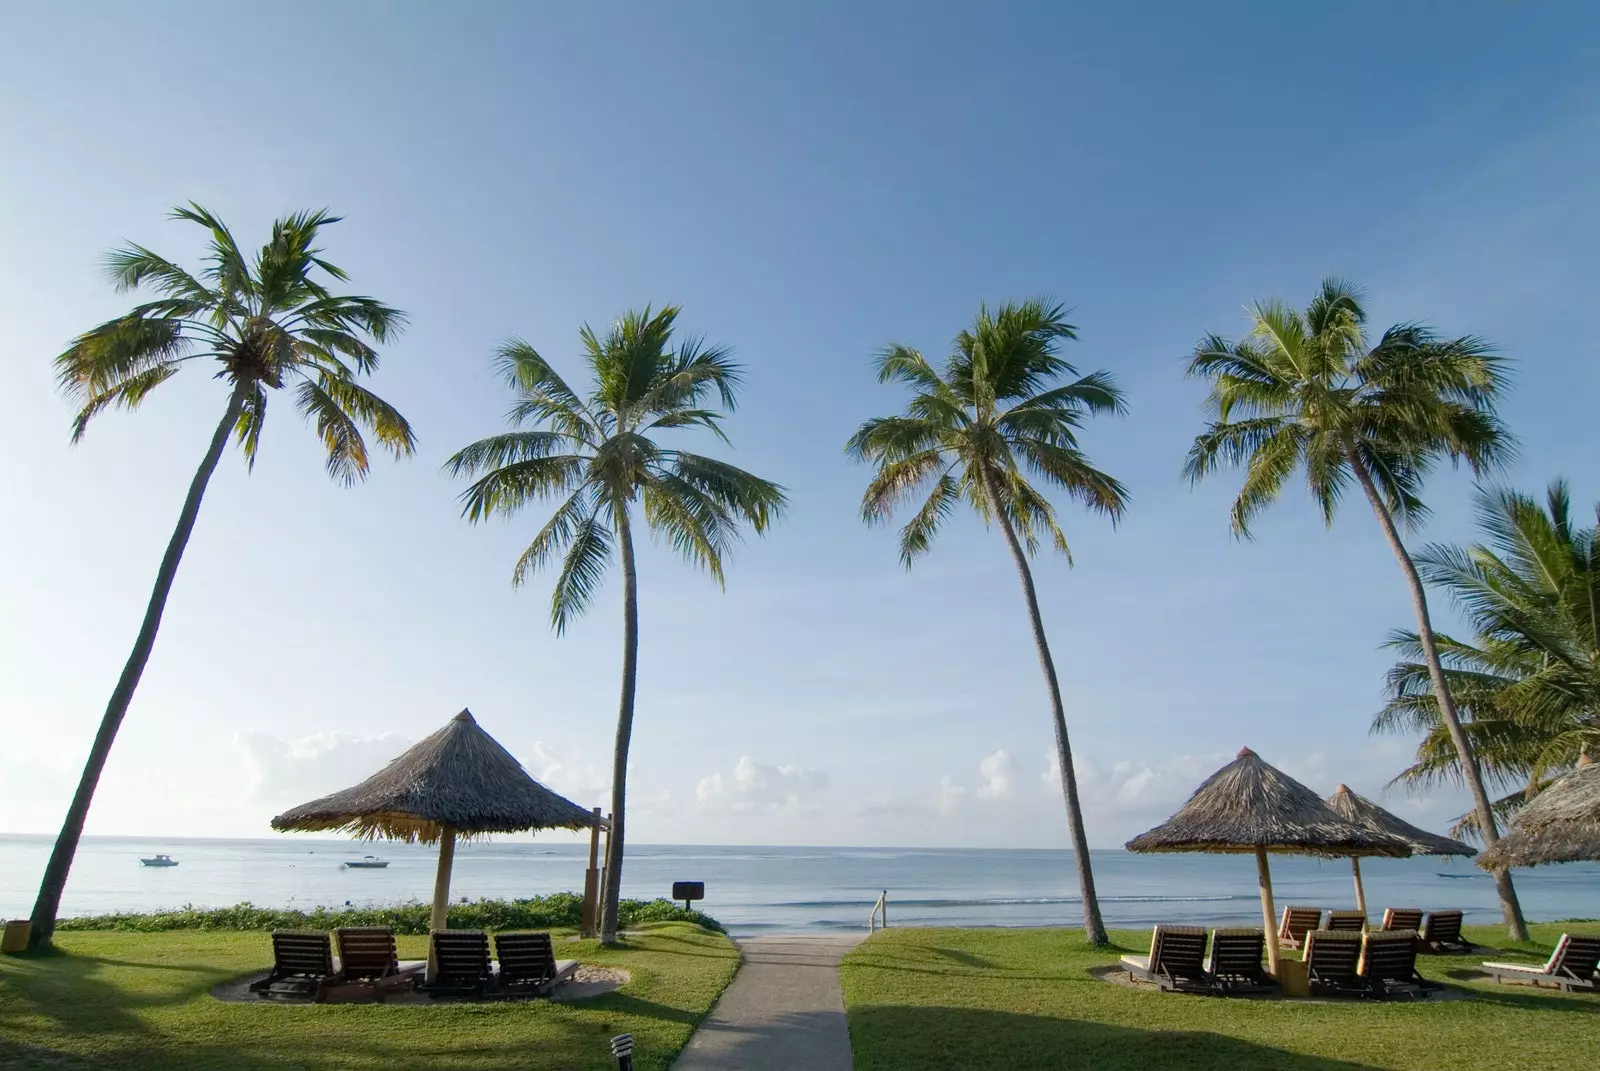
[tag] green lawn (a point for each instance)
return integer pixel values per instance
(142, 1000)
(996, 998)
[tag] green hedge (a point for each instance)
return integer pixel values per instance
(556, 911)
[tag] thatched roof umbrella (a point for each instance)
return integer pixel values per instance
(1363, 812)
(1560, 825)
(458, 781)
(1249, 806)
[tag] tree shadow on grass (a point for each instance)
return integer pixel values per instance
(897, 1037)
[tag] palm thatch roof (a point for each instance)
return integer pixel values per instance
(1363, 812)
(459, 777)
(1249, 805)
(1561, 825)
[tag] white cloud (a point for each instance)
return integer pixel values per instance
(1134, 785)
(291, 771)
(566, 772)
(756, 786)
(950, 795)
(998, 773)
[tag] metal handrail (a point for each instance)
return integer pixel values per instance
(880, 914)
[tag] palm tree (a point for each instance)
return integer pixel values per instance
(996, 416)
(1529, 683)
(265, 323)
(1306, 391)
(600, 457)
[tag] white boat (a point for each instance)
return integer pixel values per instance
(160, 860)
(366, 862)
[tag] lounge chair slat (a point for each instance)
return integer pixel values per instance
(1402, 918)
(1296, 922)
(527, 960)
(1331, 958)
(1441, 932)
(1389, 964)
(301, 962)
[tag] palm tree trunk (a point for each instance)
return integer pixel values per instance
(619, 762)
(1509, 907)
(55, 872)
(1093, 927)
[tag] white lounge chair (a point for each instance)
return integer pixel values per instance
(1571, 966)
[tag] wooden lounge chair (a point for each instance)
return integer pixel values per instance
(1296, 923)
(1235, 960)
(1176, 960)
(462, 961)
(1345, 920)
(367, 957)
(1331, 959)
(1389, 965)
(1572, 966)
(302, 963)
(1441, 932)
(528, 964)
(1402, 918)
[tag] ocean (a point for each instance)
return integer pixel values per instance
(775, 890)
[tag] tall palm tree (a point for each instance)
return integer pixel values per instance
(262, 323)
(1307, 391)
(1530, 680)
(600, 457)
(997, 415)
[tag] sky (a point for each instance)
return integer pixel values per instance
(810, 183)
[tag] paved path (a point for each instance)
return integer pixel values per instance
(783, 1012)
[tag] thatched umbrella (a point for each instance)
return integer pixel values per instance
(1560, 825)
(1249, 806)
(1363, 812)
(458, 781)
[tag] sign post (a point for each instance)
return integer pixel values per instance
(688, 891)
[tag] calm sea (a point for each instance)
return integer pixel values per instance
(777, 889)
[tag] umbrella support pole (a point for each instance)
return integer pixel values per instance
(1269, 913)
(1361, 892)
(439, 920)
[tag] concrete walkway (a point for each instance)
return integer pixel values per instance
(783, 1012)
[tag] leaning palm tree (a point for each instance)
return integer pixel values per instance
(262, 323)
(1530, 682)
(600, 458)
(1307, 391)
(996, 418)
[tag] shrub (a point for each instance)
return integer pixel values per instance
(556, 911)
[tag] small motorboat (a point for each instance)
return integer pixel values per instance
(366, 862)
(160, 860)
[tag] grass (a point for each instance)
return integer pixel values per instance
(141, 1001)
(929, 998)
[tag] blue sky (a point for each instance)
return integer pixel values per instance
(809, 184)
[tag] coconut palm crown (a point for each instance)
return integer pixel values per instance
(1308, 392)
(599, 458)
(266, 321)
(987, 429)
(1529, 680)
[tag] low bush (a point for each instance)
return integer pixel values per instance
(556, 911)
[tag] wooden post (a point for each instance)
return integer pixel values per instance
(1269, 913)
(1361, 892)
(886, 909)
(590, 925)
(439, 920)
(600, 897)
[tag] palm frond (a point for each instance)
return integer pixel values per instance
(582, 569)
(347, 450)
(128, 393)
